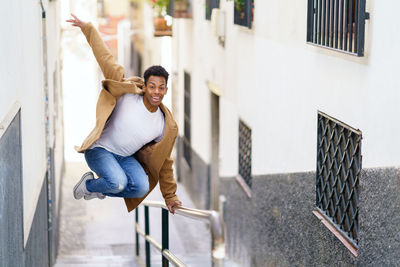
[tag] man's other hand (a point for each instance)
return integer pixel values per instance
(173, 205)
(76, 22)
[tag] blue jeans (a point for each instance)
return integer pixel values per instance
(118, 176)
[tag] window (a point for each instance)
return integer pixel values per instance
(180, 8)
(337, 24)
(338, 174)
(243, 12)
(187, 122)
(210, 5)
(245, 154)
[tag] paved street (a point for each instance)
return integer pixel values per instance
(101, 232)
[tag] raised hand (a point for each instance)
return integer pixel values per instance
(76, 22)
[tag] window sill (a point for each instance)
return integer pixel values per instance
(244, 185)
(327, 222)
(158, 33)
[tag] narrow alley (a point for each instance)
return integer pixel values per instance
(269, 127)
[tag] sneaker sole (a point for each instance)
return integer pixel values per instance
(93, 197)
(79, 183)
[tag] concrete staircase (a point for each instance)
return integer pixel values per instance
(100, 233)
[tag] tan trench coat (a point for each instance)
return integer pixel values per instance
(154, 157)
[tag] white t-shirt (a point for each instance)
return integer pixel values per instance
(131, 126)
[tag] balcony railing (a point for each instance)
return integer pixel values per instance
(337, 24)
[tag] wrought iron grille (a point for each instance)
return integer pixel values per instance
(243, 12)
(210, 5)
(245, 153)
(337, 24)
(338, 174)
(187, 123)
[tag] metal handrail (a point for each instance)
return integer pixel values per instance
(217, 229)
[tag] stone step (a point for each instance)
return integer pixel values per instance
(97, 261)
(129, 261)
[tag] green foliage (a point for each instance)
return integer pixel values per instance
(161, 5)
(239, 5)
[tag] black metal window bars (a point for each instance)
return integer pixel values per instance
(337, 24)
(243, 12)
(210, 5)
(217, 229)
(337, 177)
(245, 153)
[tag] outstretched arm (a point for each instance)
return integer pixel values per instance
(110, 69)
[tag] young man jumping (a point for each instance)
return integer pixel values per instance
(130, 146)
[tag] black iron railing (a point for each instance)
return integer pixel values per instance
(337, 24)
(217, 229)
(338, 175)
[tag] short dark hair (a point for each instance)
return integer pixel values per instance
(155, 70)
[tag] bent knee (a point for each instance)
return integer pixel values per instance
(117, 186)
(142, 189)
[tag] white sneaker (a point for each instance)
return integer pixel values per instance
(80, 188)
(92, 195)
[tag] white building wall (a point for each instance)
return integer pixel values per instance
(116, 7)
(276, 82)
(198, 53)
(156, 50)
(27, 80)
(54, 63)
(21, 74)
(81, 77)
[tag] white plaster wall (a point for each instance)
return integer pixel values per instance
(12, 57)
(198, 53)
(116, 7)
(276, 82)
(55, 99)
(53, 62)
(23, 81)
(156, 50)
(81, 77)
(21, 74)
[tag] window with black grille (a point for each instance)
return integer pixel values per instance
(338, 175)
(187, 122)
(243, 12)
(245, 153)
(210, 4)
(337, 24)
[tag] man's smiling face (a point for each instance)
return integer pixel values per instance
(154, 91)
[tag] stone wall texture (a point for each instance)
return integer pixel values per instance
(11, 222)
(12, 250)
(276, 227)
(195, 179)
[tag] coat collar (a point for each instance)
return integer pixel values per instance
(162, 149)
(170, 129)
